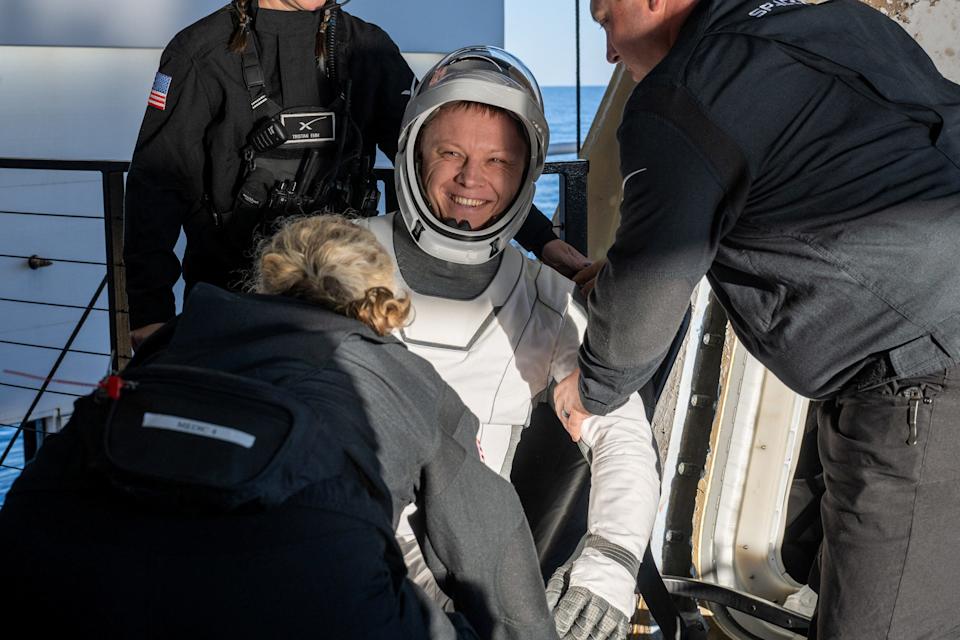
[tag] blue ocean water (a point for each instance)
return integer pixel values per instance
(13, 463)
(561, 107)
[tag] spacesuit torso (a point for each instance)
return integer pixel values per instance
(498, 351)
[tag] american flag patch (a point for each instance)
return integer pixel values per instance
(158, 94)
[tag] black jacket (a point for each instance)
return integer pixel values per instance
(406, 430)
(817, 186)
(188, 161)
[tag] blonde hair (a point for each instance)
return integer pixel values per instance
(330, 261)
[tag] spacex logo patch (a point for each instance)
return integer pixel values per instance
(309, 128)
(767, 7)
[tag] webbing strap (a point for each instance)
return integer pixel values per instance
(658, 600)
(254, 79)
(613, 551)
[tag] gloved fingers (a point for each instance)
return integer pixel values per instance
(553, 597)
(612, 626)
(585, 627)
(583, 615)
(568, 610)
(557, 585)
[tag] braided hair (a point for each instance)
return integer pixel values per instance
(238, 41)
(244, 23)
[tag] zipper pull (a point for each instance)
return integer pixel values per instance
(915, 395)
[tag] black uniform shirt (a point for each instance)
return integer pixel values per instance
(813, 180)
(188, 155)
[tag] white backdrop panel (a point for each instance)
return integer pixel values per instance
(63, 283)
(416, 25)
(51, 326)
(53, 237)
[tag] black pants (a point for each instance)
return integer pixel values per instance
(890, 563)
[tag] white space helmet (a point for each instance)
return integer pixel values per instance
(487, 75)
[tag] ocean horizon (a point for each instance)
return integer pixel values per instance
(560, 104)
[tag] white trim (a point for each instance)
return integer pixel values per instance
(623, 185)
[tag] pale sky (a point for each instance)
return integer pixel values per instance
(542, 34)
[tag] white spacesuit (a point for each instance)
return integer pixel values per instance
(502, 348)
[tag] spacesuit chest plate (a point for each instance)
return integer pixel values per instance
(495, 350)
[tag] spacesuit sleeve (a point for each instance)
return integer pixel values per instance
(625, 484)
(477, 542)
(164, 185)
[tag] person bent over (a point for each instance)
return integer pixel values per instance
(245, 476)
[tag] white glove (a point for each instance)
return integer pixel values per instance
(587, 611)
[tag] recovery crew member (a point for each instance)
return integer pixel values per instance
(245, 477)
(263, 109)
(805, 156)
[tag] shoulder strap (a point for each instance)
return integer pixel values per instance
(250, 59)
(253, 75)
(253, 78)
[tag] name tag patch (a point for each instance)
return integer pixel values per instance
(198, 428)
(306, 128)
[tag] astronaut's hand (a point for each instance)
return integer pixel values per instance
(558, 584)
(580, 611)
(563, 258)
(583, 615)
(580, 614)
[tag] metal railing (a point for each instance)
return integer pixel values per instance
(571, 224)
(112, 184)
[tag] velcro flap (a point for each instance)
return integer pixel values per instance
(212, 429)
